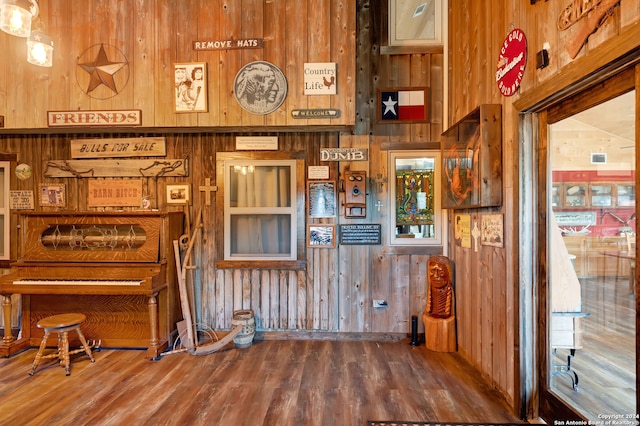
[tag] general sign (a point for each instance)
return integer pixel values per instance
(119, 147)
(115, 193)
(511, 62)
(94, 118)
(344, 154)
(248, 43)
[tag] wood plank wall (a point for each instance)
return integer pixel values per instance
(335, 291)
(489, 282)
(153, 35)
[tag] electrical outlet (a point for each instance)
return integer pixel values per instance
(380, 303)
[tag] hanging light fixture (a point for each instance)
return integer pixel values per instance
(16, 16)
(40, 49)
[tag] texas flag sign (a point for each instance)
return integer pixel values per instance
(403, 104)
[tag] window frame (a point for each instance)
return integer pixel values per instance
(299, 202)
(440, 215)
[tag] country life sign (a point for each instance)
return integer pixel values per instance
(320, 78)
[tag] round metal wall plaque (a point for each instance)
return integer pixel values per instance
(23, 171)
(511, 62)
(260, 87)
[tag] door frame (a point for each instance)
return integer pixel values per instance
(552, 407)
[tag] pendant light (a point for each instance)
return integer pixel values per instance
(16, 16)
(40, 49)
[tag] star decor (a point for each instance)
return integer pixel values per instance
(102, 71)
(390, 106)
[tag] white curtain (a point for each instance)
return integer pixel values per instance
(263, 234)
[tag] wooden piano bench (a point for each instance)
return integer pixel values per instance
(61, 324)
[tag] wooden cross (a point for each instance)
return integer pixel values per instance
(207, 189)
(379, 204)
(475, 233)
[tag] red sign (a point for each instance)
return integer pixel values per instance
(511, 62)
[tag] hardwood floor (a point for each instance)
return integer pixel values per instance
(606, 364)
(273, 382)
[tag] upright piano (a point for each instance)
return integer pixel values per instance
(117, 268)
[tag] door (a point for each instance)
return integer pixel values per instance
(589, 291)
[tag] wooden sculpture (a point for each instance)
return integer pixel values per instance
(439, 314)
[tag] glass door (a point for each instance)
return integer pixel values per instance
(591, 255)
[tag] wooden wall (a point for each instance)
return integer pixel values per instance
(334, 291)
(155, 34)
(490, 284)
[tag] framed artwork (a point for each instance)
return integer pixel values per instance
(403, 105)
(190, 87)
(491, 230)
(260, 87)
(322, 198)
(52, 195)
(472, 160)
(416, 22)
(321, 235)
(177, 194)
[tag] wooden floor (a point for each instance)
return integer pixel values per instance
(606, 364)
(270, 383)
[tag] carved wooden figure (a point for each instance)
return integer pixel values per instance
(439, 314)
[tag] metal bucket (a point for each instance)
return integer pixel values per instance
(246, 319)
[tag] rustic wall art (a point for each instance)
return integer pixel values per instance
(190, 81)
(321, 236)
(52, 195)
(260, 87)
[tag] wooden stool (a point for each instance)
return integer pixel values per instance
(61, 324)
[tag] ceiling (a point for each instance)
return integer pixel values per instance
(608, 128)
(616, 117)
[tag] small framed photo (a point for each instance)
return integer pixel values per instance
(190, 87)
(52, 195)
(177, 194)
(321, 235)
(322, 198)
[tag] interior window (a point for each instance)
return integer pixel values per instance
(415, 198)
(260, 215)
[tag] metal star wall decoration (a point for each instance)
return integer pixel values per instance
(98, 69)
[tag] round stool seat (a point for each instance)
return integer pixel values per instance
(61, 324)
(61, 321)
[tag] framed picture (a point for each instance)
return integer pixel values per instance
(190, 87)
(321, 235)
(472, 160)
(403, 105)
(491, 230)
(416, 22)
(177, 194)
(322, 198)
(52, 195)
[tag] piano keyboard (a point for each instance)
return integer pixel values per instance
(77, 282)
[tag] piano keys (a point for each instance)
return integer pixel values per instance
(117, 268)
